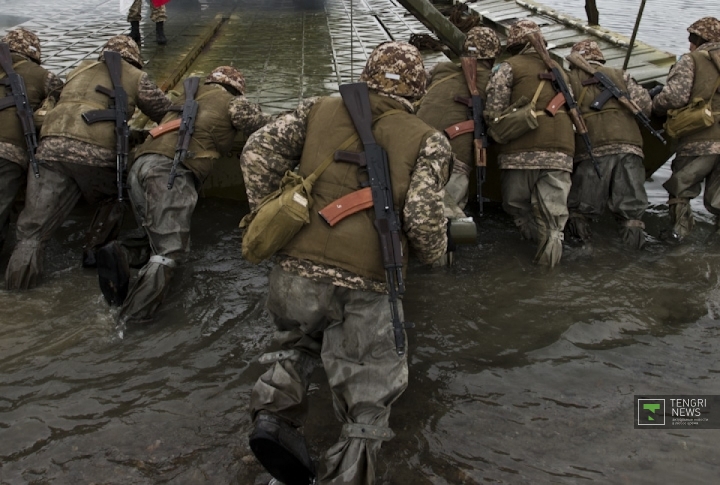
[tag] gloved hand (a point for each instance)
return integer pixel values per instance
(655, 91)
(457, 189)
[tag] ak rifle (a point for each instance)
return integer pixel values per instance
(19, 99)
(387, 221)
(187, 126)
(564, 96)
(118, 112)
(612, 90)
(480, 139)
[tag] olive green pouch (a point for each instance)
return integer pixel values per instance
(516, 120)
(688, 120)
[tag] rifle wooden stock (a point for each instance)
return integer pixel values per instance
(347, 205)
(160, 130)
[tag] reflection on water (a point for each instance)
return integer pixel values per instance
(518, 374)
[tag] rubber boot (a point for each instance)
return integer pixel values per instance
(113, 273)
(135, 31)
(160, 33)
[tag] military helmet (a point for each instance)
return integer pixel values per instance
(24, 42)
(520, 30)
(482, 42)
(707, 28)
(589, 49)
(395, 68)
(228, 76)
(126, 47)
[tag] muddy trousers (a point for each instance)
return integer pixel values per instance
(537, 201)
(165, 216)
(350, 331)
(685, 183)
(621, 189)
(12, 177)
(48, 202)
(157, 14)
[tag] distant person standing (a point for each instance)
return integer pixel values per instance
(157, 15)
(694, 80)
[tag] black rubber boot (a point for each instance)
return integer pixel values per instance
(113, 273)
(135, 31)
(282, 450)
(160, 33)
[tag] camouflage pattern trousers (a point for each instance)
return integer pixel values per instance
(350, 331)
(12, 177)
(537, 201)
(621, 189)
(157, 14)
(165, 216)
(48, 202)
(685, 183)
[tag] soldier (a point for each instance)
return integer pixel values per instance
(78, 159)
(617, 146)
(40, 84)
(694, 76)
(536, 166)
(440, 110)
(157, 15)
(164, 213)
(327, 290)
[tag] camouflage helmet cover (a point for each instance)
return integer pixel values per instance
(520, 30)
(708, 28)
(229, 76)
(589, 49)
(126, 47)
(24, 42)
(395, 68)
(482, 42)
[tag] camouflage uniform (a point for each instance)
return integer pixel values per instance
(166, 214)
(332, 313)
(157, 14)
(617, 147)
(439, 109)
(694, 161)
(40, 85)
(535, 183)
(73, 168)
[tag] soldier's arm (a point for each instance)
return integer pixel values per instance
(424, 220)
(638, 95)
(152, 101)
(499, 88)
(53, 86)
(272, 150)
(247, 117)
(677, 90)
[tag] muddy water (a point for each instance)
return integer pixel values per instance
(518, 374)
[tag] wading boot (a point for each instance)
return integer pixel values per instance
(113, 273)
(281, 450)
(135, 31)
(160, 33)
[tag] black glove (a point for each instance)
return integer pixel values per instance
(655, 91)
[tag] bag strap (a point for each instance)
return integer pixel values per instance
(351, 139)
(537, 96)
(82, 69)
(434, 85)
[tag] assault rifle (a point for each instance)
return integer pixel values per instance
(387, 222)
(19, 99)
(611, 90)
(118, 112)
(564, 95)
(187, 126)
(480, 139)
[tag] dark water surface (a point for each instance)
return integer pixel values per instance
(517, 374)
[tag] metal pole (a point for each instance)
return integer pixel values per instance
(634, 34)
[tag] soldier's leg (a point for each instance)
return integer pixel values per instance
(711, 197)
(165, 215)
(366, 377)
(549, 202)
(685, 184)
(159, 16)
(517, 186)
(300, 309)
(628, 199)
(588, 195)
(48, 201)
(12, 177)
(134, 17)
